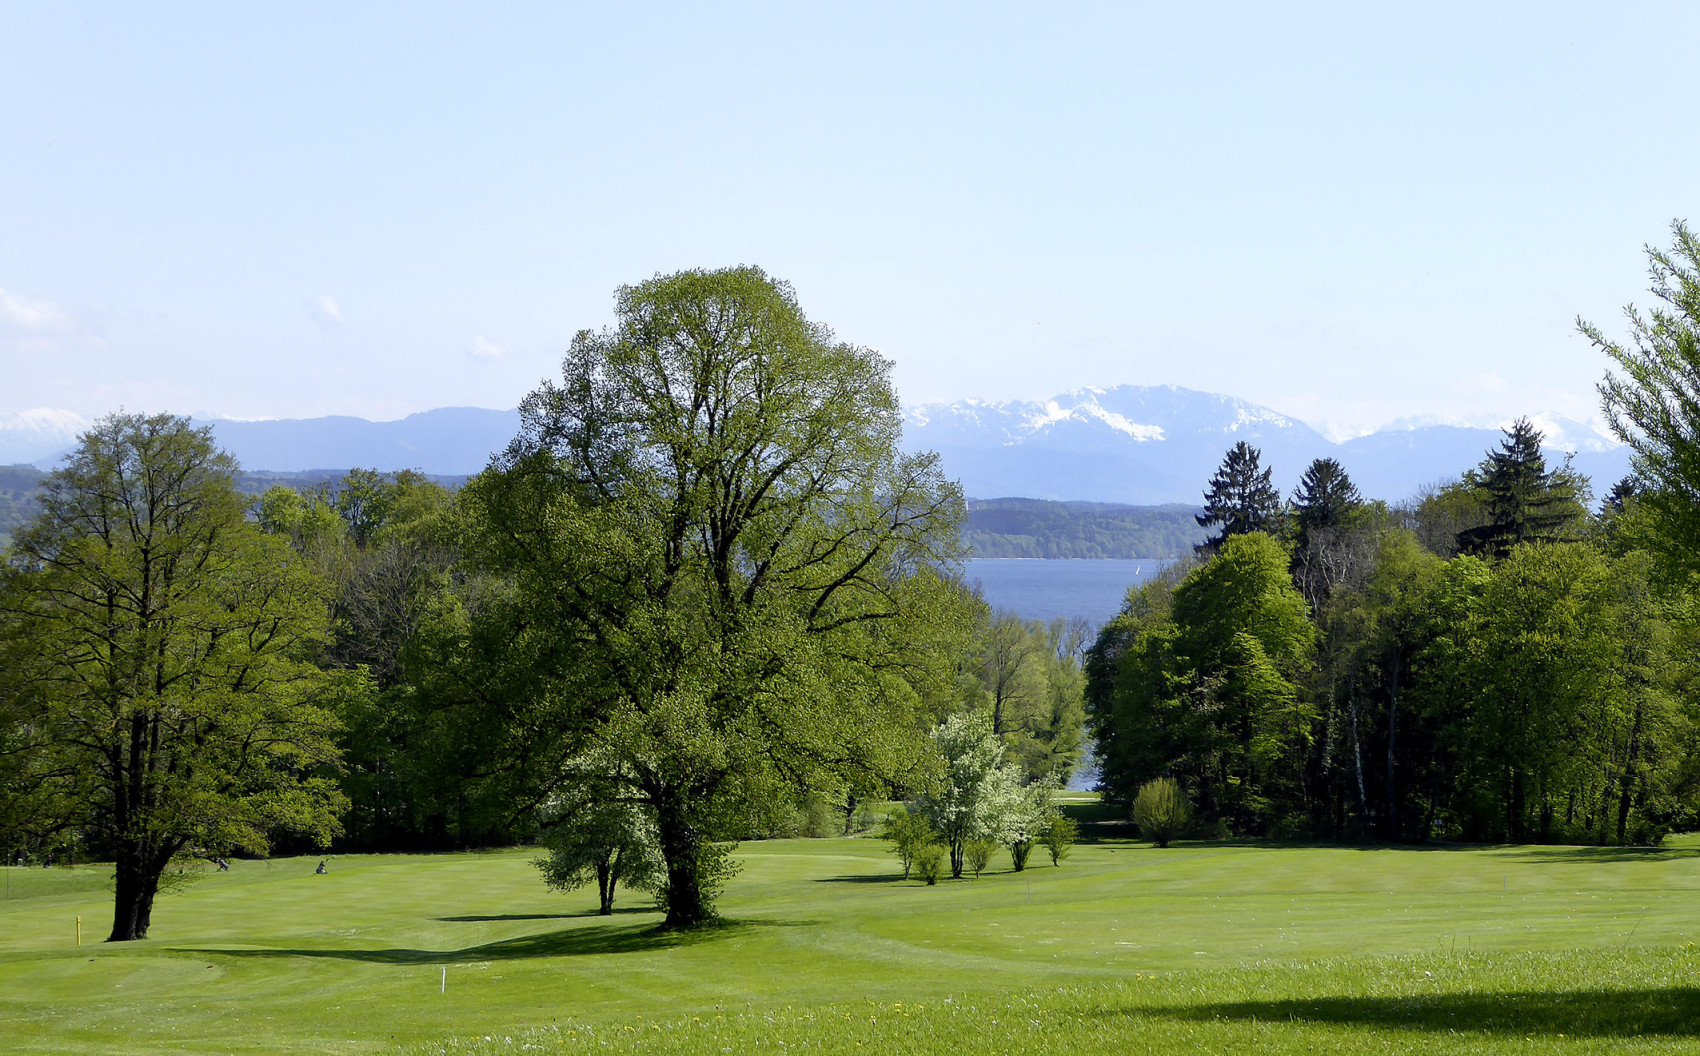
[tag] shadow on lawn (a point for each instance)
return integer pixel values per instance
(1580, 1013)
(863, 878)
(572, 942)
(1595, 855)
(545, 916)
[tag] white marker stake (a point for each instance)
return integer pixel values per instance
(443, 989)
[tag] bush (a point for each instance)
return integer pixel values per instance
(979, 855)
(1018, 852)
(1059, 836)
(1161, 810)
(929, 863)
(908, 834)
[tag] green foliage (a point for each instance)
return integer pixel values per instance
(978, 855)
(1652, 403)
(157, 650)
(1522, 500)
(978, 796)
(1240, 499)
(1027, 676)
(610, 842)
(908, 833)
(929, 863)
(18, 488)
(1330, 533)
(1161, 810)
(722, 570)
(1059, 836)
(1036, 528)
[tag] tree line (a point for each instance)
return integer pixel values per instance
(1490, 661)
(1495, 659)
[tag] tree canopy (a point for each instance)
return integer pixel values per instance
(1241, 498)
(1653, 402)
(157, 652)
(724, 574)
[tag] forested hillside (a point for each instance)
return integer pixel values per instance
(1041, 528)
(17, 497)
(19, 485)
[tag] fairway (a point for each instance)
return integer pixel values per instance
(1123, 948)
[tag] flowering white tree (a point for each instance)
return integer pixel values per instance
(979, 797)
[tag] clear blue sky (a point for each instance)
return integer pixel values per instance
(1349, 213)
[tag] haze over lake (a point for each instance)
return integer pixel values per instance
(1045, 590)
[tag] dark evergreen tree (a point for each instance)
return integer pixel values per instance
(1324, 499)
(1524, 501)
(1323, 508)
(1241, 498)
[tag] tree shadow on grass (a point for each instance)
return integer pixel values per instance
(864, 878)
(545, 916)
(1595, 855)
(571, 942)
(1673, 1011)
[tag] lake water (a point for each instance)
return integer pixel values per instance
(1044, 590)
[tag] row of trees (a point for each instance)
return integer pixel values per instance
(701, 585)
(1488, 662)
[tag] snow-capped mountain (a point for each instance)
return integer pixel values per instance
(1129, 444)
(1148, 445)
(37, 434)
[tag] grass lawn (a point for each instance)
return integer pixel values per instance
(1124, 948)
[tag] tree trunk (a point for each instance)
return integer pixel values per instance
(605, 885)
(956, 857)
(136, 882)
(1628, 781)
(681, 849)
(1392, 814)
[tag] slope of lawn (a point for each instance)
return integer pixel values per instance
(1124, 948)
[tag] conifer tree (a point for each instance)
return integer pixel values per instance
(1241, 498)
(1323, 507)
(1525, 502)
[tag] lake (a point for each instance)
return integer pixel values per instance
(1045, 590)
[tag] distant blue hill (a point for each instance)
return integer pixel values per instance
(1134, 445)
(449, 441)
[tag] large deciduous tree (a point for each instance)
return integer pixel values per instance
(155, 644)
(725, 576)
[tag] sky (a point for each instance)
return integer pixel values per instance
(1353, 214)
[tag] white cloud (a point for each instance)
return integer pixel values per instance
(30, 315)
(484, 348)
(329, 308)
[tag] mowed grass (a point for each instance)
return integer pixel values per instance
(1124, 948)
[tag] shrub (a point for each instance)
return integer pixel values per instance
(1018, 852)
(908, 834)
(1161, 810)
(979, 855)
(929, 863)
(1059, 836)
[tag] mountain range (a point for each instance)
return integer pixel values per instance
(1130, 444)
(1152, 445)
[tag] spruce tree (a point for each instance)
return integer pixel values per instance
(1323, 507)
(1241, 498)
(1525, 502)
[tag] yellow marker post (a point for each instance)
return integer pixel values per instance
(79, 929)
